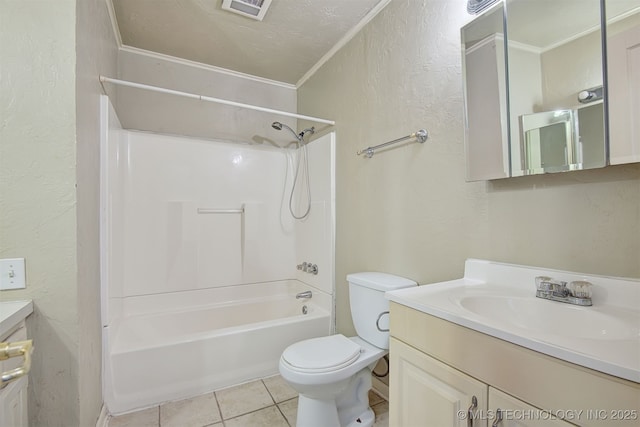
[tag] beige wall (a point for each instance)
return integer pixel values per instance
(96, 53)
(408, 211)
(170, 114)
(49, 143)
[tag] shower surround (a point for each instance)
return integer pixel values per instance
(199, 255)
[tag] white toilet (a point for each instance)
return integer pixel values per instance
(333, 374)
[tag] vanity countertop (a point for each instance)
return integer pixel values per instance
(12, 313)
(499, 300)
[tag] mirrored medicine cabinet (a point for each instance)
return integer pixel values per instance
(536, 95)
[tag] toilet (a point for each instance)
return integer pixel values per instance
(332, 374)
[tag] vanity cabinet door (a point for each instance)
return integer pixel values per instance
(516, 413)
(426, 392)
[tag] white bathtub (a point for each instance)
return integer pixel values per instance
(172, 346)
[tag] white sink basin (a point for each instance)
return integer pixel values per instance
(535, 314)
(499, 300)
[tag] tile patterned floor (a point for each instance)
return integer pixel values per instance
(269, 402)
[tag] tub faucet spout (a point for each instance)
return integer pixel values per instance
(305, 295)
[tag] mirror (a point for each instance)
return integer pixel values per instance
(554, 54)
(485, 96)
(623, 68)
(534, 99)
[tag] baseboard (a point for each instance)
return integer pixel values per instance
(103, 419)
(381, 388)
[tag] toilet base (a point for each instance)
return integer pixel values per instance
(366, 419)
(317, 412)
(349, 409)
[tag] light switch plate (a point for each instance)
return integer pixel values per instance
(12, 275)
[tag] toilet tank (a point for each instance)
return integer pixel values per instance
(369, 307)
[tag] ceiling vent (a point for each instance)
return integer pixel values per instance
(476, 6)
(254, 9)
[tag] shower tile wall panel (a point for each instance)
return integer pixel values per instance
(314, 238)
(156, 189)
(111, 219)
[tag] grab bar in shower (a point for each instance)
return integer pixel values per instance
(420, 135)
(220, 211)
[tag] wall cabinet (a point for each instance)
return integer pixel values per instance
(624, 94)
(437, 368)
(546, 97)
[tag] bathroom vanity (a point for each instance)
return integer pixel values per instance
(464, 351)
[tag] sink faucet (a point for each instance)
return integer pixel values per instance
(578, 292)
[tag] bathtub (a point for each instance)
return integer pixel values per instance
(173, 346)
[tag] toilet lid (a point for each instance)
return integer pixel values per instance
(323, 354)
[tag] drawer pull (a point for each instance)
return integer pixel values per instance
(16, 349)
(470, 411)
(498, 419)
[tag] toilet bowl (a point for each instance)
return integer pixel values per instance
(332, 374)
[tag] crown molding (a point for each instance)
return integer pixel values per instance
(343, 41)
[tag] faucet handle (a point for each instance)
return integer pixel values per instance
(580, 288)
(555, 287)
(544, 283)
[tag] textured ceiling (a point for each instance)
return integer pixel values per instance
(292, 38)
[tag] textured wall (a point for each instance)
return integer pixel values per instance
(201, 31)
(48, 134)
(408, 210)
(170, 114)
(96, 53)
(38, 203)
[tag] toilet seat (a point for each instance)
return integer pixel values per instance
(325, 354)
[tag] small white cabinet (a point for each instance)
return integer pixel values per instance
(13, 404)
(426, 392)
(13, 397)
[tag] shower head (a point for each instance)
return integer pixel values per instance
(279, 126)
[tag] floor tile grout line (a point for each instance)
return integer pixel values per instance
(283, 415)
(215, 396)
(246, 413)
(276, 404)
(222, 418)
(268, 391)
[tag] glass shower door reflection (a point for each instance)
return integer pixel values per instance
(549, 141)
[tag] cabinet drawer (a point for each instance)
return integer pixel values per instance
(516, 413)
(19, 334)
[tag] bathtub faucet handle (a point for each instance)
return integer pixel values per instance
(305, 295)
